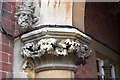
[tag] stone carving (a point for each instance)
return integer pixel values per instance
(25, 16)
(72, 46)
(56, 47)
(27, 65)
(28, 68)
(84, 52)
(61, 49)
(68, 46)
(46, 46)
(28, 50)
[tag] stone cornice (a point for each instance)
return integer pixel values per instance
(25, 16)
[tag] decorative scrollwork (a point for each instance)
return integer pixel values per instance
(28, 68)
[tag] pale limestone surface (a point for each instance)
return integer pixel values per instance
(51, 12)
(55, 74)
(55, 12)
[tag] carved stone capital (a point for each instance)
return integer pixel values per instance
(51, 46)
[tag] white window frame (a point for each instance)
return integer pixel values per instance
(113, 72)
(101, 70)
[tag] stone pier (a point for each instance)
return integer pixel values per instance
(49, 51)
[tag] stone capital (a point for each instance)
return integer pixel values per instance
(61, 48)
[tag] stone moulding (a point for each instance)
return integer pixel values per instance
(56, 67)
(55, 32)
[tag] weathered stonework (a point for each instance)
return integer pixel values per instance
(25, 16)
(55, 47)
(52, 48)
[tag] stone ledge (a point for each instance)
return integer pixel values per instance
(55, 32)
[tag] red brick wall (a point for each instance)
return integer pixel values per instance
(86, 71)
(101, 23)
(6, 43)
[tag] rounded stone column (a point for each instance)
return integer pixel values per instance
(55, 74)
(56, 67)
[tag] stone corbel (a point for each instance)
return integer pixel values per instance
(25, 16)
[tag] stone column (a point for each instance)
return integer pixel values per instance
(51, 51)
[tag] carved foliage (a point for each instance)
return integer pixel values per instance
(56, 47)
(72, 46)
(30, 50)
(46, 46)
(84, 52)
